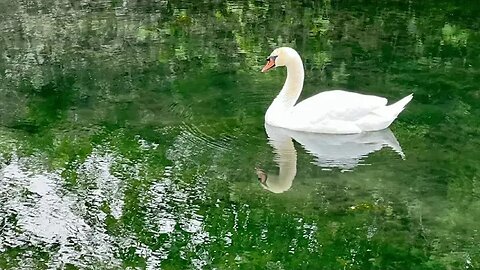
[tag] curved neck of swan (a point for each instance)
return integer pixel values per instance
(289, 94)
(285, 157)
(293, 85)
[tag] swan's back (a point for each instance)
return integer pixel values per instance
(344, 112)
(339, 105)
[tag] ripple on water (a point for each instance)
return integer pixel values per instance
(96, 173)
(70, 223)
(173, 201)
(43, 214)
(195, 135)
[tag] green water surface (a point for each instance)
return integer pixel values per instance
(132, 135)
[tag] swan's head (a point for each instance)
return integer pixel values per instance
(274, 183)
(280, 57)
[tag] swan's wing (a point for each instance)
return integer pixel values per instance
(337, 105)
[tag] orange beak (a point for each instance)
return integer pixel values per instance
(270, 64)
(262, 176)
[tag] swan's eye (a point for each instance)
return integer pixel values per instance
(270, 63)
(272, 58)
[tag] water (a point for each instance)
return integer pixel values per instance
(132, 136)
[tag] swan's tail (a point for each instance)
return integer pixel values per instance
(396, 108)
(390, 140)
(382, 117)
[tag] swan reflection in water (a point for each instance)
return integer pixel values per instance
(344, 152)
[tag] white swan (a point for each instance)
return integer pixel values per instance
(336, 111)
(344, 152)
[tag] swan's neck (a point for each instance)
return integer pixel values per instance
(293, 84)
(286, 158)
(290, 92)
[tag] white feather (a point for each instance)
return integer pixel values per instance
(335, 111)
